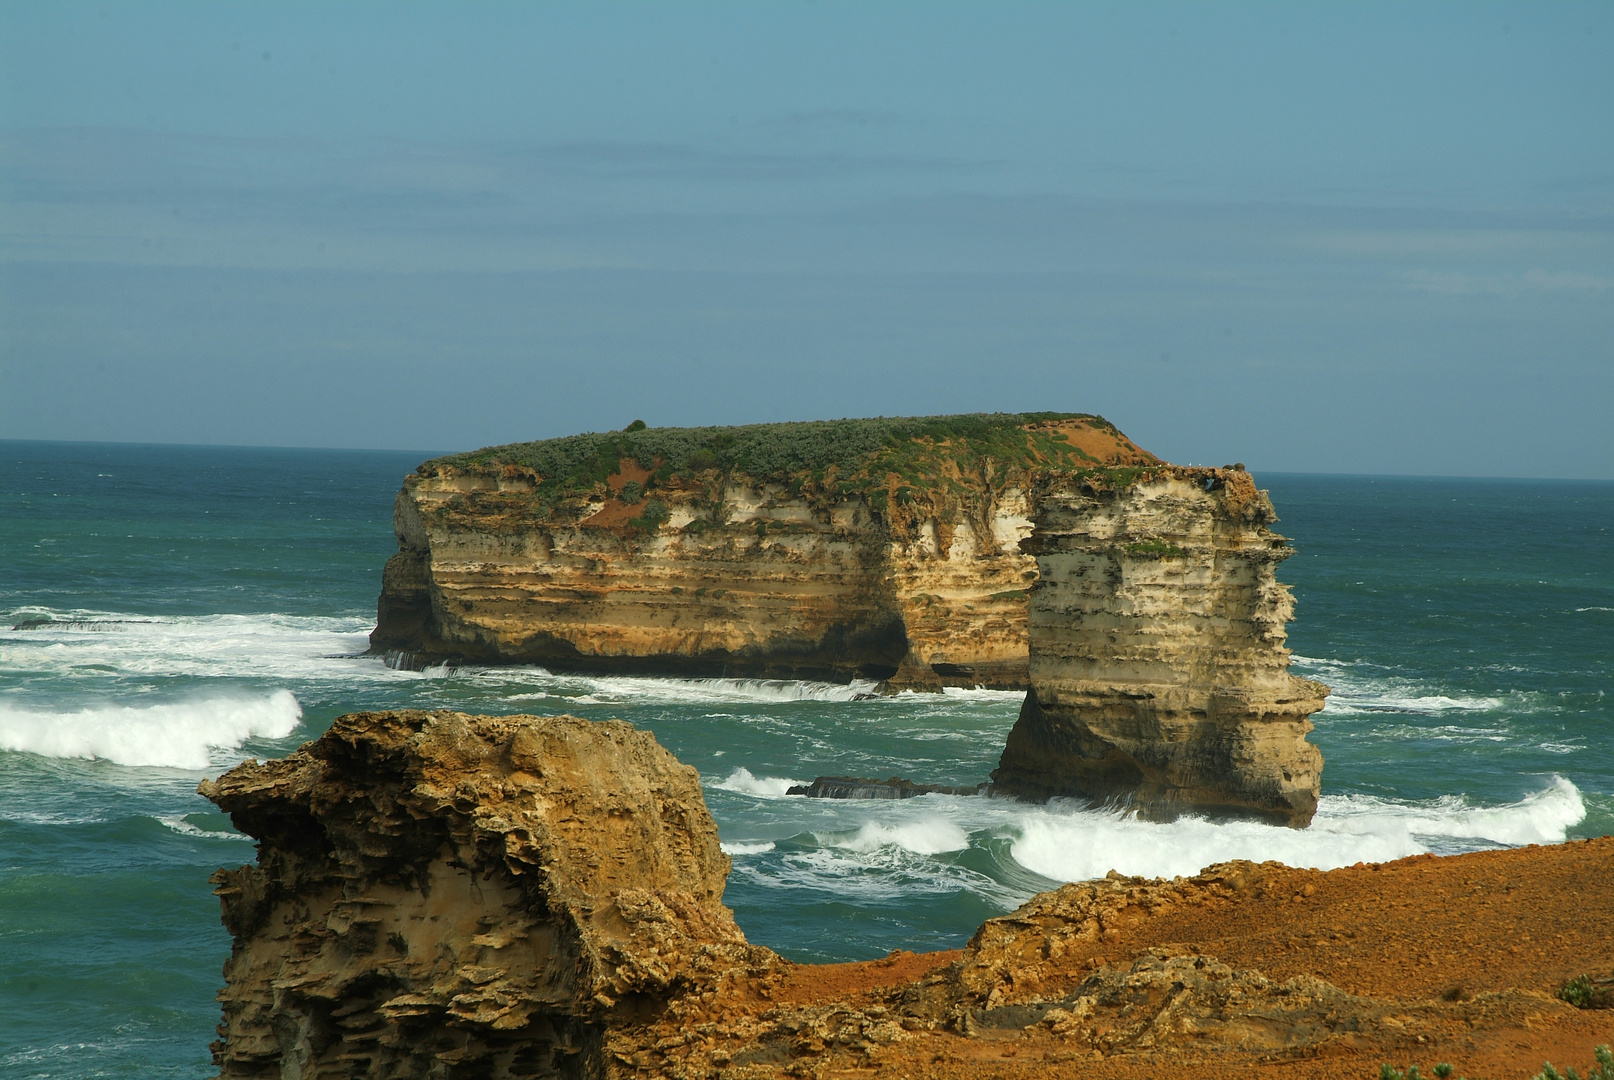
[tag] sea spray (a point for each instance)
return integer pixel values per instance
(179, 735)
(764, 787)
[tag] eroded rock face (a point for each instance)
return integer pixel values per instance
(1159, 677)
(443, 895)
(907, 570)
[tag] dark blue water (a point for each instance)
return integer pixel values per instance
(182, 608)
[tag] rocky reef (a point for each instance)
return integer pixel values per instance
(856, 549)
(450, 896)
(1159, 677)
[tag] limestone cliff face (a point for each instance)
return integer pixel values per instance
(1159, 676)
(443, 895)
(705, 552)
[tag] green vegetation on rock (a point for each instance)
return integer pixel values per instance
(1154, 549)
(1603, 1069)
(1585, 992)
(834, 458)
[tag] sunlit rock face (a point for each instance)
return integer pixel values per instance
(1159, 677)
(651, 552)
(444, 895)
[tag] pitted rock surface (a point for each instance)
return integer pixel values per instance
(447, 895)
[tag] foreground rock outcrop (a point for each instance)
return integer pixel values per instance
(1159, 677)
(448, 896)
(855, 549)
(442, 895)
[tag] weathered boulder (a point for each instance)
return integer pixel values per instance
(1159, 677)
(443, 895)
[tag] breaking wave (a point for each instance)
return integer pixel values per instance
(763, 787)
(930, 835)
(179, 735)
(1348, 829)
(83, 646)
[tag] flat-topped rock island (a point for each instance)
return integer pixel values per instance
(883, 549)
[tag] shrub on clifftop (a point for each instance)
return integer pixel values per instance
(842, 456)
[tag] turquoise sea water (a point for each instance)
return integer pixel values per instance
(178, 609)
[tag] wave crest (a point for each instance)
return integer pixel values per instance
(179, 735)
(1348, 829)
(763, 787)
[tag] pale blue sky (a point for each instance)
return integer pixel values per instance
(1352, 238)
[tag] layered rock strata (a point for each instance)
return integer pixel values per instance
(1159, 677)
(879, 550)
(442, 895)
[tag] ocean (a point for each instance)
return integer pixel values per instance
(166, 612)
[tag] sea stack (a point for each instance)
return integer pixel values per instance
(885, 549)
(1159, 677)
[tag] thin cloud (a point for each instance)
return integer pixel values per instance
(1507, 285)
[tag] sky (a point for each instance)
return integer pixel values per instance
(1357, 238)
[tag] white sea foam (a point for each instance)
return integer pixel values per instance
(927, 835)
(178, 823)
(87, 645)
(763, 787)
(883, 874)
(83, 645)
(1359, 688)
(37, 817)
(741, 847)
(981, 693)
(179, 735)
(1078, 845)
(1562, 748)
(710, 691)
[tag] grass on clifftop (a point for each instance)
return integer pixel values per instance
(839, 457)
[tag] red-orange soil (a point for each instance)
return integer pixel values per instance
(1462, 957)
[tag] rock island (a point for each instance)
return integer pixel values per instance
(883, 549)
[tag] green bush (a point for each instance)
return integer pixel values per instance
(1585, 992)
(632, 492)
(1154, 549)
(652, 517)
(1602, 1070)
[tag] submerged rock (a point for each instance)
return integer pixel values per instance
(857, 787)
(446, 895)
(1159, 677)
